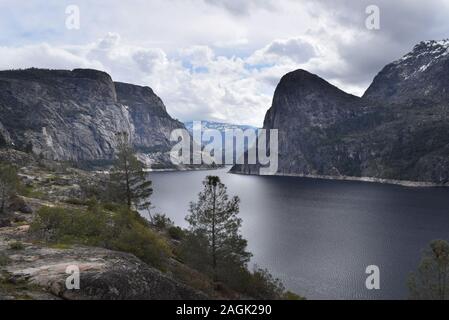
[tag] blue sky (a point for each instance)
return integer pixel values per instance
(214, 59)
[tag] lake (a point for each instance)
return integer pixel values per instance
(318, 236)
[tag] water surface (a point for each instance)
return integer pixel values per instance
(318, 236)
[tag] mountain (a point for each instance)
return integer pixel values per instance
(220, 126)
(74, 115)
(238, 150)
(397, 131)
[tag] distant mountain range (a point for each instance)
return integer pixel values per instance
(397, 131)
(238, 150)
(220, 126)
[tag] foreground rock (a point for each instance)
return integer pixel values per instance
(104, 274)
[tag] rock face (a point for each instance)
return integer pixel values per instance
(104, 275)
(74, 115)
(152, 124)
(399, 129)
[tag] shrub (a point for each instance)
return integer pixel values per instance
(4, 260)
(262, 285)
(176, 233)
(143, 243)
(122, 230)
(30, 192)
(161, 221)
(17, 245)
(288, 295)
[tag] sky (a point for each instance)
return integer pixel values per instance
(215, 59)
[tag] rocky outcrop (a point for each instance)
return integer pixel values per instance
(397, 131)
(5, 139)
(152, 124)
(418, 77)
(35, 271)
(104, 275)
(74, 115)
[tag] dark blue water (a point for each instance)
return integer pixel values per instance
(318, 236)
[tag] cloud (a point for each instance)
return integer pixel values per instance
(218, 59)
(298, 50)
(242, 7)
(42, 56)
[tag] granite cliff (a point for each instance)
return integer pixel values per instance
(74, 115)
(398, 131)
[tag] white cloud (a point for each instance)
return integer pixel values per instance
(217, 59)
(42, 56)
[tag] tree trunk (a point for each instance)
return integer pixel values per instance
(128, 187)
(3, 199)
(214, 249)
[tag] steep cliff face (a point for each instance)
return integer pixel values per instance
(152, 124)
(399, 130)
(74, 115)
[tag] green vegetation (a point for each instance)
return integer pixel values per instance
(214, 219)
(210, 256)
(161, 222)
(214, 246)
(176, 233)
(122, 230)
(16, 245)
(9, 183)
(31, 192)
(431, 281)
(4, 260)
(129, 181)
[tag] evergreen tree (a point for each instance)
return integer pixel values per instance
(431, 281)
(130, 182)
(214, 218)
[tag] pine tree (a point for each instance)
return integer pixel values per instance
(129, 179)
(214, 217)
(9, 183)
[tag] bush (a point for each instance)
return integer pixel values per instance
(259, 284)
(161, 222)
(288, 295)
(30, 192)
(176, 233)
(143, 243)
(17, 245)
(122, 230)
(70, 225)
(4, 260)
(232, 274)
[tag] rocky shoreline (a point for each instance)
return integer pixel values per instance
(403, 183)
